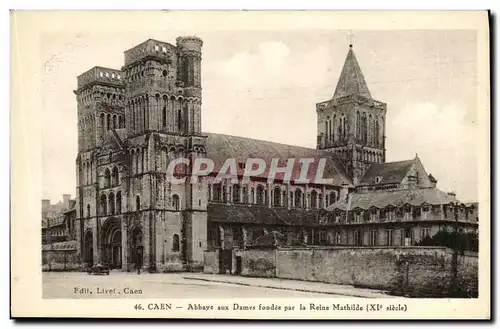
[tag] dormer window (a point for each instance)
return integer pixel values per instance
(378, 179)
(157, 48)
(241, 165)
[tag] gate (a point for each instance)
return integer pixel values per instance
(225, 261)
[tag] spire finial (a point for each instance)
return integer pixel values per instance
(351, 35)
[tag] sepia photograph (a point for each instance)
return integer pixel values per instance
(255, 169)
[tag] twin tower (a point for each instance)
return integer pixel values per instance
(157, 89)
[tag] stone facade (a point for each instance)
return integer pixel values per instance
(132, 122)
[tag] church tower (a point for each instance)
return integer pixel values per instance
(352, 124)
(163, 119)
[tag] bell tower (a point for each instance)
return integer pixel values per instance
(352, 124)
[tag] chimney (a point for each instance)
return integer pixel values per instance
(45, 204)
(66, 198)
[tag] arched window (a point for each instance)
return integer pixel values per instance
(137, 203)
(277, 196)
(332, 198)
(104, 205)
(358, 128)
(364, 129)
(314, 200)
(164, 115)
(175, 202)
(344, 128)
(103, 124)
(298, 198)
(108, 124)
(252, 196)
(107, 178)
(115, 122)
(236, 193)
(216, 196)
(88, 210)
(376, 133)
(179, 120)
(111, 202)
(327, 130)
(118, 202)
(260, 194)
(175, 243)
(115, 178)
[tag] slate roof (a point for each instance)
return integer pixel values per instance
(257, 214)
(397, 198)
(221, 147)
(390, 172)
(351, 81)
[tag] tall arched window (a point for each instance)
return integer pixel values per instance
(327, 130)
(364, 129)
(298, 198)
(358, 128)
(88, 210)
(164, 116)
(115, 122)
(252, 196)
(103, 124)
(118, 202)
(277, 196)
(179, 120)
(236, 193)
(175, 202)
(216, 195)
(332, 198)
(376, 133)
(115, 178)
(111, 202)
(314, 200)
(370, 130)
(260, 195)
(104, 205)
(137, 203)
(107, 178)
(108, 123)
(175, 243)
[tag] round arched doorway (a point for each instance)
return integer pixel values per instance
(88, 248)
(112, 243)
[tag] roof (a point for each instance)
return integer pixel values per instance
(66, 245)
(257, 214)
(389, 172)
(397, 198)
(351, 81)
(114, 137)
(222, 147)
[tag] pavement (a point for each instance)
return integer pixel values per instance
(189, 285)
(291, 285)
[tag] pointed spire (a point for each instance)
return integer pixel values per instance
(351, 81)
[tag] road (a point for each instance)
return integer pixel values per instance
(169, 285)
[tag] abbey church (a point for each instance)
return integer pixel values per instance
(134, 121)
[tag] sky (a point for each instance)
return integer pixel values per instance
(265, 84)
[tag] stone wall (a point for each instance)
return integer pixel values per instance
(60, 260)
(412, 271)
(211, 260)
(256, 262)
